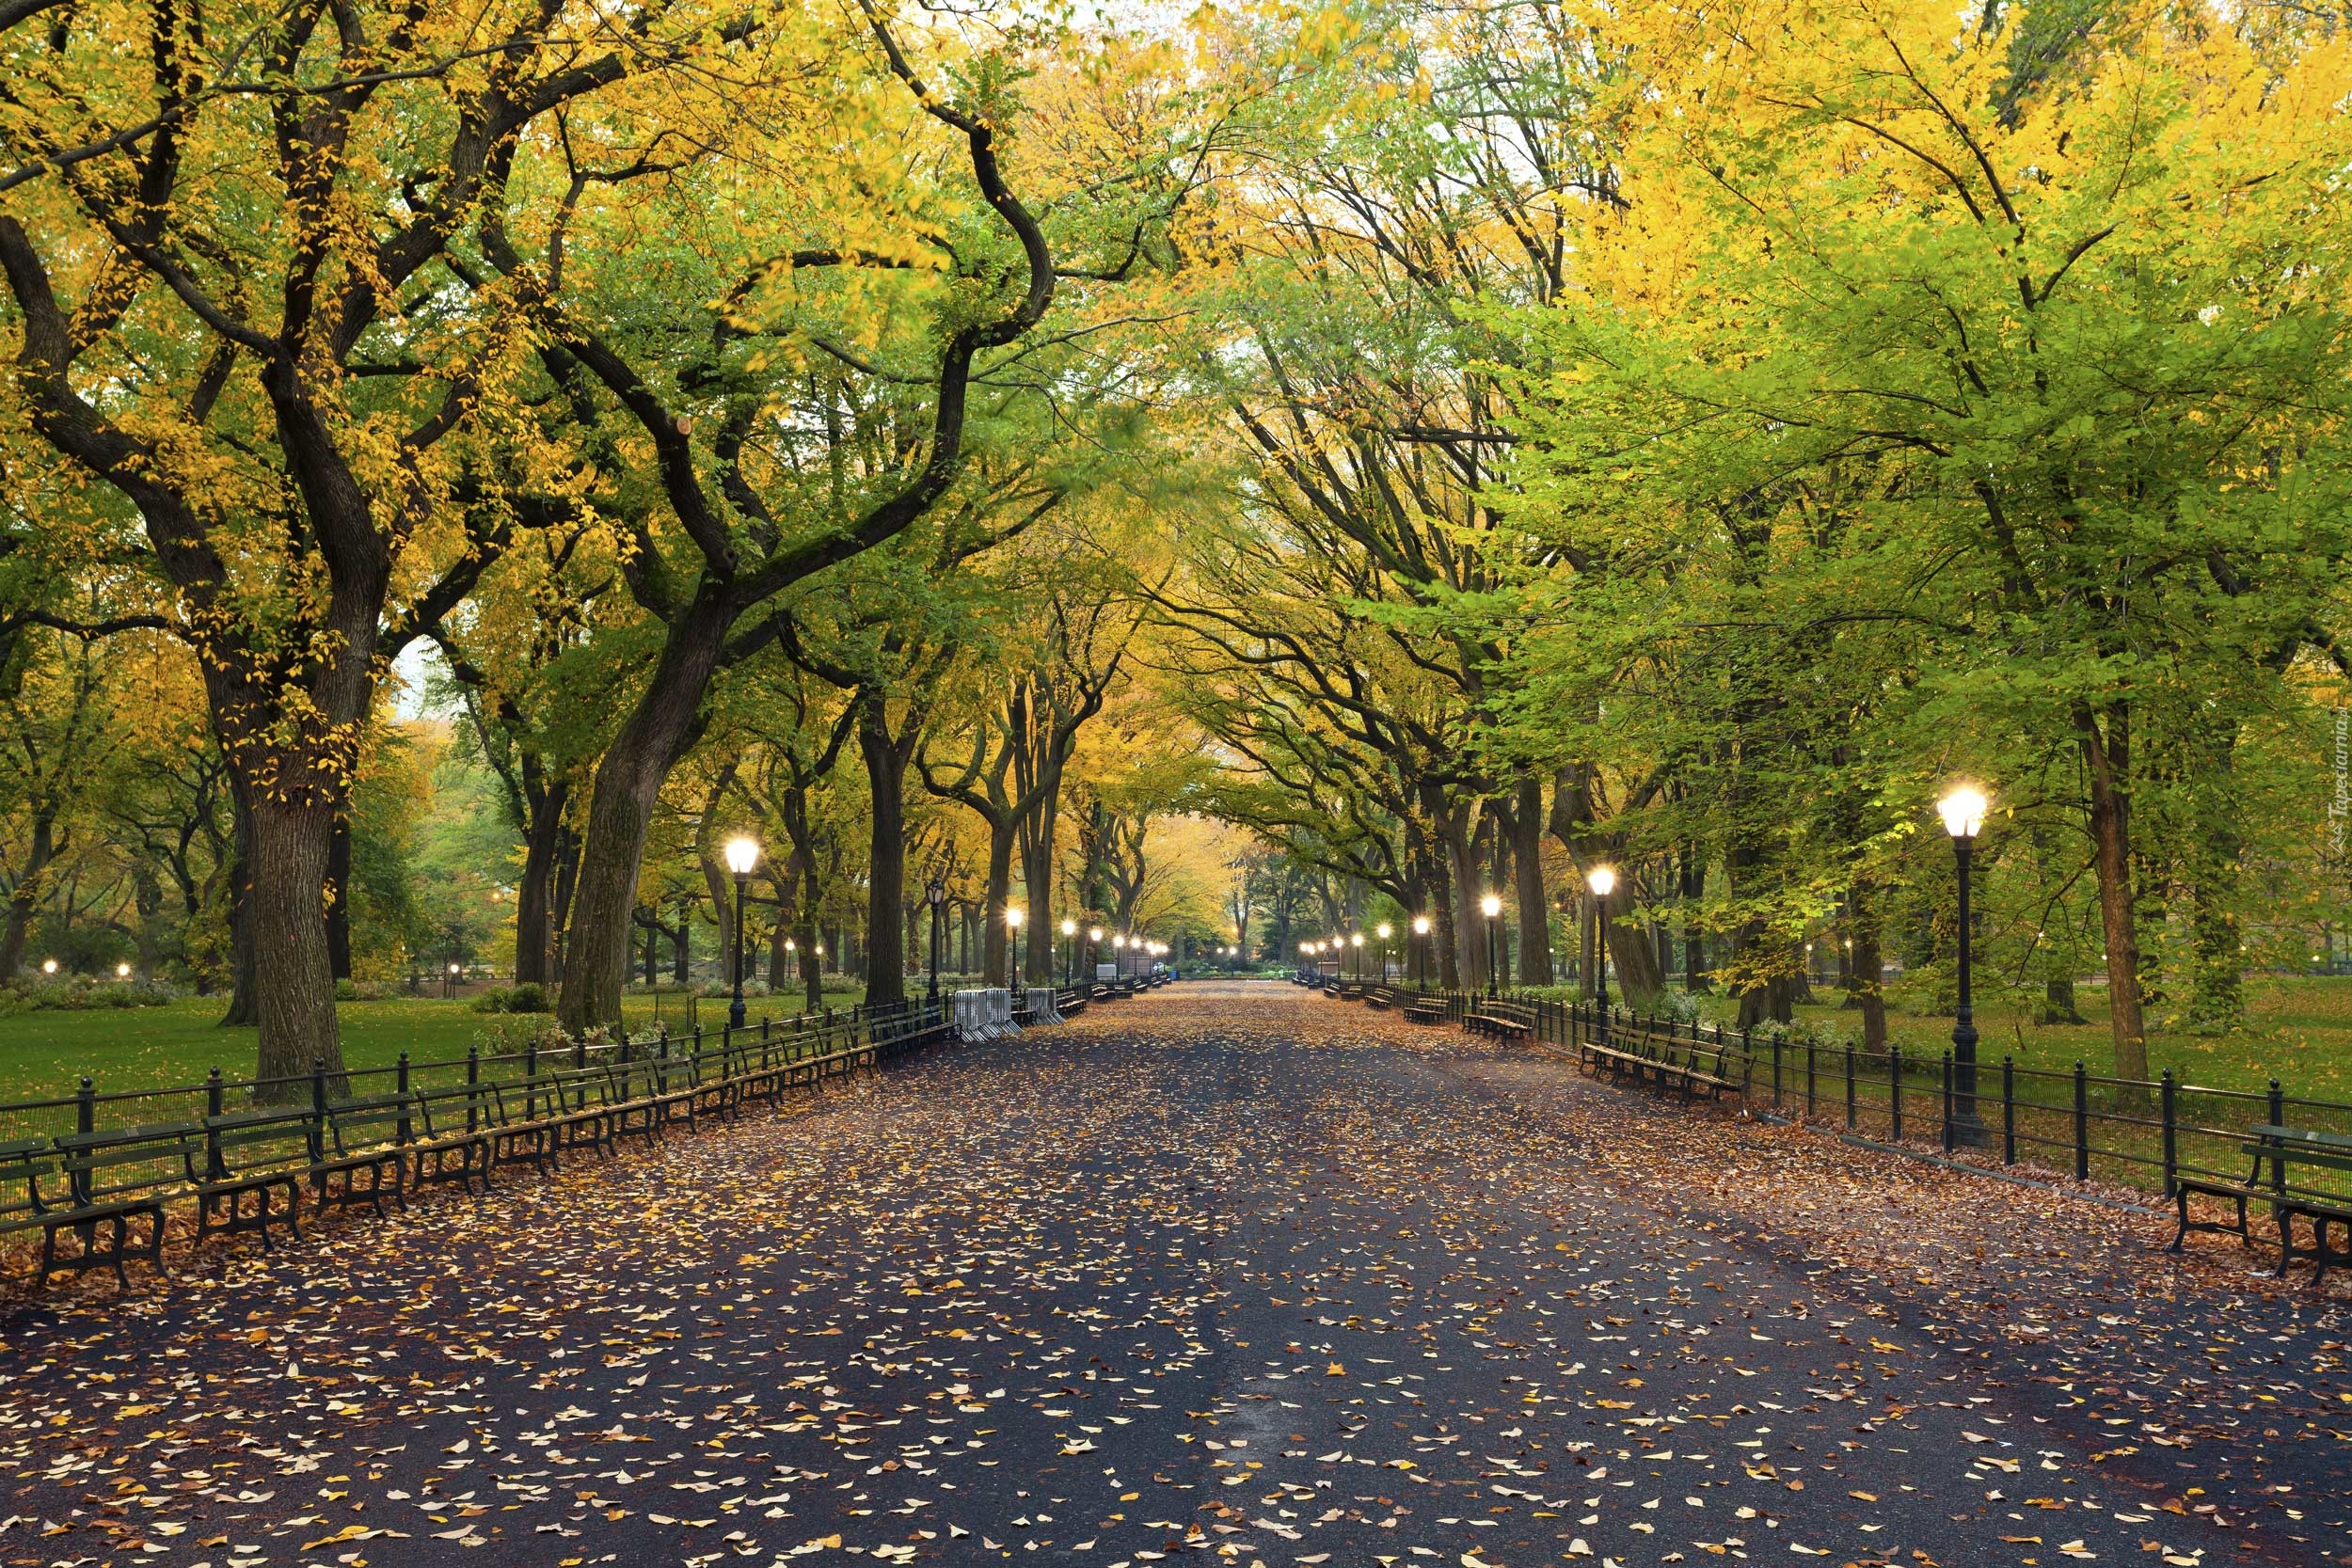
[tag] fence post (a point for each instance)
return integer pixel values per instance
(215, 1105)
(2082, 1123)
(1948, 1101)
(1809, 1052)
(473, 1079)
(318, 1109)
(402, 1131)
(531, 1079)
(579, 1048)
(2277, 1117)
(1747, 1063)
(2171, 1134)
(1778, 1040)
(1895, 1089)
(2009, 1110)
(1849, 1116)
(85, 1121)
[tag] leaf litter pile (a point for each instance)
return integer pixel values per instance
(1226, 1273)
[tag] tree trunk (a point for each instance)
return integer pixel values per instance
(2216, 998)
(1527, 861)
(1466, 948)
(812, 970)
(1037, 878)
(2107, 755)
(2058, 1002)
(1866, 967)
(1694, 888)
(995, 956)
(620, 810)
(339, 898)
(25, 896)
(293, 844)
(1633, 957)
(786, 887)
(535, 895)
(886, 775)
(560, 913)
(244, 984)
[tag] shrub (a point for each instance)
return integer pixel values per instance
(83, 994)
(346, 990)
(525, 998)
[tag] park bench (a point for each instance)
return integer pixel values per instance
(1424, 1009)
(1380, 998)
(760, 1068)
(1689, 1067)
(559, 1111)
(363, 1135)
(2279, 1147)
(671, 1087)
(1502, 1020)
(260, 1155)
(28, 1163)
(454, 1145)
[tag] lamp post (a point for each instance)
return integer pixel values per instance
(1355, 940)
(1491, 907)
(743, 854)
(1602, 879)
(1013, 917)
(1421, 942)
(1094, 940)
(1069, 949)
(1386, 930)
(935, 895)
(1962, 812)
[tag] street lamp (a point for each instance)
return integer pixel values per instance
(1385, 930)
(743, 854)
(1602, 879)
(1094, 940)
(49, 966)
(1962, 812)
(1012, 947)
(1356, 942)
(1070, 953)
(935, 895)
(1421, 930)
(1491, 907)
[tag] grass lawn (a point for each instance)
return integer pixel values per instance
(2299, 1029)
(42, 1055)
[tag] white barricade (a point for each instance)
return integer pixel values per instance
(984, 1015)
(1042, 1008)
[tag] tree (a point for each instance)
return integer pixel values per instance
(230, 267)
(1893, 331)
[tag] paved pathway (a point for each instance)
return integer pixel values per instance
(1229, 1274)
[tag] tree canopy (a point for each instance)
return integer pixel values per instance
(1294, 469)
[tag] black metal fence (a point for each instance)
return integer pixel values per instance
(187, 1122)
(2072, 1124)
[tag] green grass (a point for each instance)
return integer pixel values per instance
(43, 1054)
(2299, 1029)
